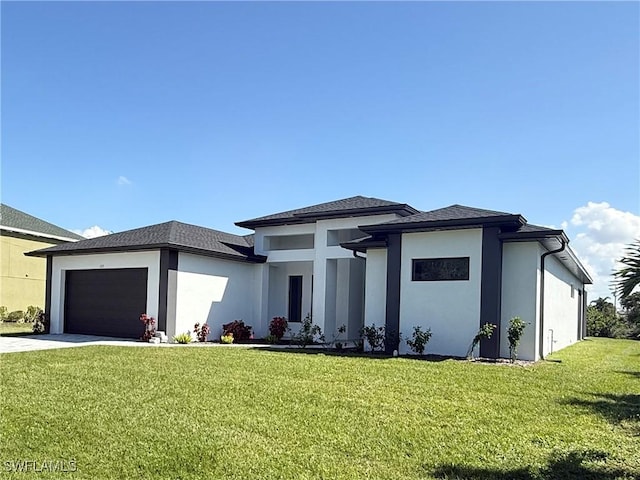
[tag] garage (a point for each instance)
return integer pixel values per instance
(105, 302)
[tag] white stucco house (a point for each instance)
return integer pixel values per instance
(348, 262)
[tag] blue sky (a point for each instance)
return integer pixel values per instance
(126, 114)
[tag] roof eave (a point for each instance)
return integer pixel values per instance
(138, 248)
(506, 220)
(363, 246)
(222, 255)
(403, 210)
(45, 252)
(528, 236)
(551, 240)
(33, 233)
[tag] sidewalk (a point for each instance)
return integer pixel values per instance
(29, 343)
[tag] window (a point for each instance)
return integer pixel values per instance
(289, 242)
(295, 298)
(438, 269)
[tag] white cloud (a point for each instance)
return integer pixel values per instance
(92, 232)
(603, 234)
(122, 181)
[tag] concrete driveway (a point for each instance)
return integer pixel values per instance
(29, 343)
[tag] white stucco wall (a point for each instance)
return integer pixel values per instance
(319, 229)
(450, 308)
(375, 301)
(521, 280)
(263, 235)
(323, 284)
(328, 304)
(344, 301)
(149, 260)
(520, 297)
(560, 309)
(214, 291)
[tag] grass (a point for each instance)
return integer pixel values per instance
(12, 329)
(188, 413)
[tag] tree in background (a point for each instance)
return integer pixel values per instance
(603, 305)
(631, 306)
(628, 277)
(603, 320)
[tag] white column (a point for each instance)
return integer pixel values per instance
(261, 302)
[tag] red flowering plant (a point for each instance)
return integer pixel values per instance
(278, 327)
(202, 332)
(149, 327)
(238, 329)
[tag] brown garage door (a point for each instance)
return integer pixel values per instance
(105, 302)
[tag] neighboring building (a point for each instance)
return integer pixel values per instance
(22, 278)
(350, 262)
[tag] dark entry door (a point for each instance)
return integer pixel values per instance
(105, 302)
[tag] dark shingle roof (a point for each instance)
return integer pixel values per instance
(530, 228)
(513, 228)
(524, 232)
(449, 217)
(530, 231)
(451, 213)
(347, 207)
(172, 234)
(11, 219)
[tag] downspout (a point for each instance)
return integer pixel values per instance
(542, 258)
(585, 302)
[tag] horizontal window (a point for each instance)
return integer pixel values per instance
(439, 269)
(289, 242)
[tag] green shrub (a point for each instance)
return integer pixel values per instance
(16, 316)
(41, 324)
(3, 313)
(419, 339)
(337, 337)
(32, 313)
(183, 338)
(228, 339)
(308, 333)
(485, 331)
(514, 334)
(271, 339)
(605, 324)
(631, 306)
(374, 336)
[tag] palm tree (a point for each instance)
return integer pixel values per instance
(603, 305)
(628, 277)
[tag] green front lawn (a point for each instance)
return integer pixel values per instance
(12, 329)
(124, 412)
